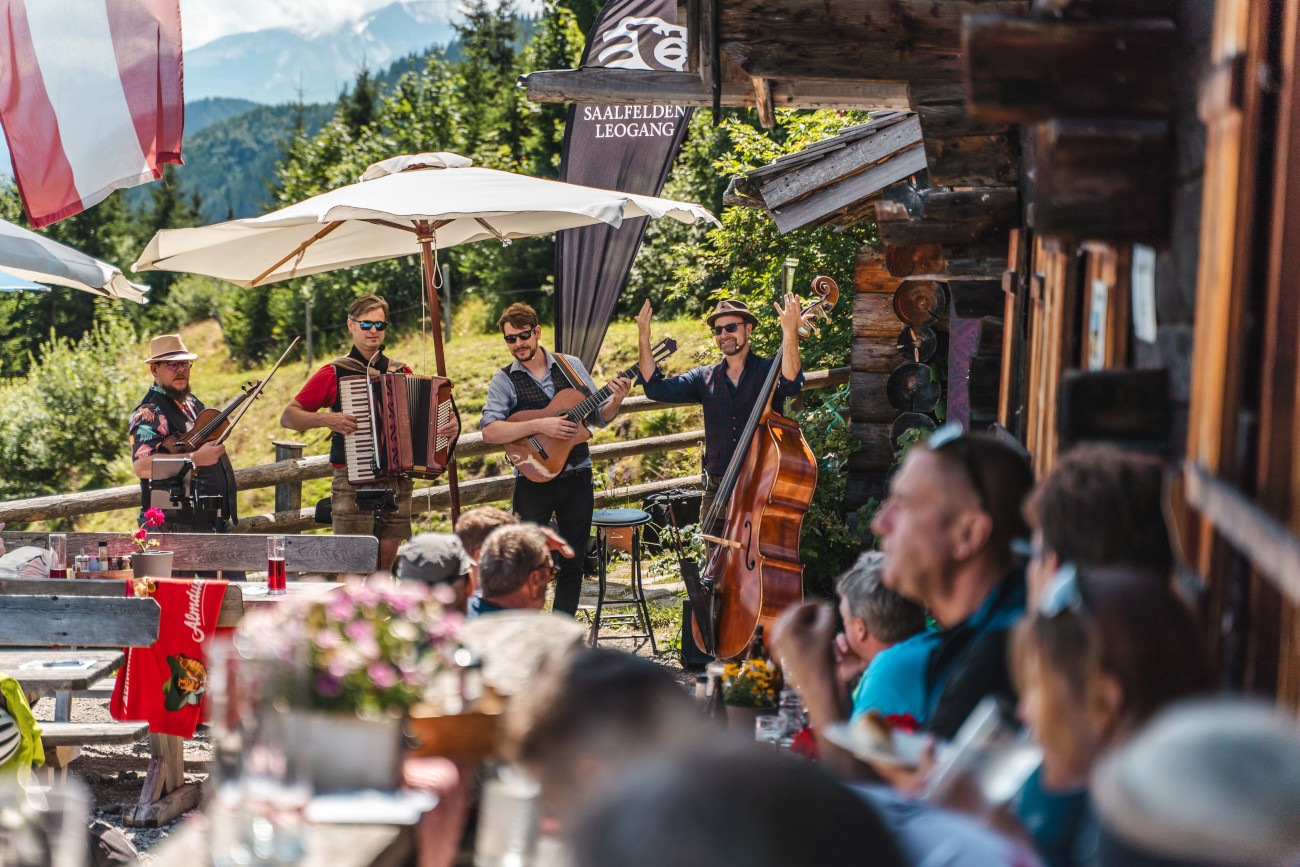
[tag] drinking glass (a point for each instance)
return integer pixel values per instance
(58, 555)
(989, 753)
(768, 730)
(44, 826)
(275, 579)
(508, 820)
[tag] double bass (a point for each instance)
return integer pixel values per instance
(753, 571)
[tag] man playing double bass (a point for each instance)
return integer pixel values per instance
(729, 389)
(169, 408)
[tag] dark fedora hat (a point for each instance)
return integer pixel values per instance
(731, 307)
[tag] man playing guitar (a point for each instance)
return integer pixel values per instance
(528, 383)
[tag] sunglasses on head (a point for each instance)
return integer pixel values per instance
(730, 328)
(366, 324)
(954, 438)
(522, 335)
(1064, 592)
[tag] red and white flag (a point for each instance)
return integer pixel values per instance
(90, 98)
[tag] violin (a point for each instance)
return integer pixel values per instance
(754, 572)
(214, 426)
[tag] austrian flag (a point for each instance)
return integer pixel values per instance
(90, 98)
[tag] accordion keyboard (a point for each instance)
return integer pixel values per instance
(354, 399)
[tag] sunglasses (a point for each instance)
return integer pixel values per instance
(366, 324)
(174, 366)
(548, 566)
(952, 436)
(1064, 592)
(730, 328)
(522, 335)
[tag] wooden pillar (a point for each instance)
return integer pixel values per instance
(288, 495)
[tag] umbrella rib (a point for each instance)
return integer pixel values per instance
(303, 246)
(390, 224)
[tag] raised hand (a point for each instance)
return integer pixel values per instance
(791, 314)
(643, 319)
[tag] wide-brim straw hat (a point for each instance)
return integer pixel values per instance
(168, 347)
(732, 307)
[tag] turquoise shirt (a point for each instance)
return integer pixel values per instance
(894, 682)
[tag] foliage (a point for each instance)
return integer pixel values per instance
(827, 545)
(751, 683)
(371, 648)
(63, 425)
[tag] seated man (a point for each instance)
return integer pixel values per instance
(514, 569)
(439, 560)
(946, 531)
(474, 527)
(876, 619)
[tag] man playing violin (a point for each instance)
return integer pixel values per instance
(728, 389)
(318, 405)
(530, 381)
(169, 408)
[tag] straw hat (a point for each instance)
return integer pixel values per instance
(732, 307)
(168, 347)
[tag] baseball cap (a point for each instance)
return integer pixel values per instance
(433, 558)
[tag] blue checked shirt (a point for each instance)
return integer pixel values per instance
(726, 406)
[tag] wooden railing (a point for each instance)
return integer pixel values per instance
(288, 475)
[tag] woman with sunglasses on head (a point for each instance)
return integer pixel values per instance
(1104, 650)
(367, 326)
(727, 389)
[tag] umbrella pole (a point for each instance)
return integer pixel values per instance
(426, 257)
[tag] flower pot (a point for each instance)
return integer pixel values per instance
(152, 564)
(741, 719)
(343, 752)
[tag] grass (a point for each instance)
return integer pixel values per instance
(472, 358)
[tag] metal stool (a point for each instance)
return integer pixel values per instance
(603, 520)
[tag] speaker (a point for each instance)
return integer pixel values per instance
(693, 659)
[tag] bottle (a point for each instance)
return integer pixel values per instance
(103, 555)
(714, 707)
(793, 719)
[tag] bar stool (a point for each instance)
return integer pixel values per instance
(604, 520)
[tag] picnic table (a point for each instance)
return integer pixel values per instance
(327, 846)
(57, 673)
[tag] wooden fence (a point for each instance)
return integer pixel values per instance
(288, 474)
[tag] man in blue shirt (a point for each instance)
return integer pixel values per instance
(728, 389)
(530, 382)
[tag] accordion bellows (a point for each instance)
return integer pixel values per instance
(398, 416)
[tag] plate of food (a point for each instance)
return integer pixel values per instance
(872, 739)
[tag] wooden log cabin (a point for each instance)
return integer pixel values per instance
(1108, 194)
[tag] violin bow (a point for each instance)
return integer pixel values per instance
(255, 392)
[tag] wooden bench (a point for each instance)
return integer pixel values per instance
(37, 618)
(230, 552)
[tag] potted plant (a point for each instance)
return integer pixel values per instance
(363, 655)
(749, 691)
(147, 563)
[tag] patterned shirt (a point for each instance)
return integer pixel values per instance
(149, 427)
(726, 406)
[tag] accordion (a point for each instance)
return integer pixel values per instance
(398, 416)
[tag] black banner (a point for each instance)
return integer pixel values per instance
(615, 147)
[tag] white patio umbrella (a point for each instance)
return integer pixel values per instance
(404, 205)
(30, 256)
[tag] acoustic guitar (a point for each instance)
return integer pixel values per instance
(542, 458)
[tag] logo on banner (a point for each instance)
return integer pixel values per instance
(666, 43)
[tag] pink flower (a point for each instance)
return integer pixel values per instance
(154, 517)
(381, 675)
(340, 608)
(327, 639)
(140, 534)
(358, 630)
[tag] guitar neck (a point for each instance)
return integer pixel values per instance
(582, 410)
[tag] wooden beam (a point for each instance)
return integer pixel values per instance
(904, 260)
(763, 102)
(635, 86)
(230, 613)
(39, 621)
(887, 40)
(782, 189)
(231, 551)
(1029, 69)
(850, 190)
(1103, 179)
(962, 151)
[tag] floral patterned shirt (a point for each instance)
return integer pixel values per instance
(149, 425)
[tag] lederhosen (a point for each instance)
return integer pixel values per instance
(216, 480)
(529, 395)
